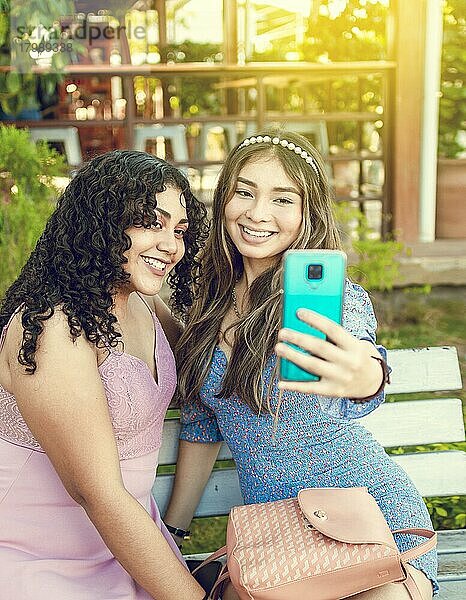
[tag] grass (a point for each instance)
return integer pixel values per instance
(410, 318)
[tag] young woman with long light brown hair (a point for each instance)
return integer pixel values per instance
(273, 195)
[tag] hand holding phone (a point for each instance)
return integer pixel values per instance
(317, 355)
(312, 279)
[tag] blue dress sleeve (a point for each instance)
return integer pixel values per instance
(359, 319)
(199, 424)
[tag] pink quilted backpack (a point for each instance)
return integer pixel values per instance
(327, 544)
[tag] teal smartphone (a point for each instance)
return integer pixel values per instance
(313, 279)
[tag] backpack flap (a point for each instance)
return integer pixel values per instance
(348, 515)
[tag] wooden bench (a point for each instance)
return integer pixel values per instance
(403, 423)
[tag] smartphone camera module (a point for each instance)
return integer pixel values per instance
(314, 271)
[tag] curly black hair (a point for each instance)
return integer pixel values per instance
(77, 261)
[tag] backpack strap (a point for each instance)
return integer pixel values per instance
(223, 575)
(214, 556)
(421, 548)
(409, 583)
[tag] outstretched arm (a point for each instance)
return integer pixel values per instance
(65, 407)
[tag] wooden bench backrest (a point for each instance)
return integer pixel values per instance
(405, 423)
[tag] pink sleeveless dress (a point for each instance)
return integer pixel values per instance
(49, 549)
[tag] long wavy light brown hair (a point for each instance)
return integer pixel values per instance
(256, 332)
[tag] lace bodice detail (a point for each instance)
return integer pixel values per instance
(136, 402)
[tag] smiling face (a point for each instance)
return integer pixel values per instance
(264, 215)
(156, 250)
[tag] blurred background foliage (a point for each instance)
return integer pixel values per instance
(25, 93)
(452, 124)
(351, 30)
(195, 96)
(27, 197)
(338, 31)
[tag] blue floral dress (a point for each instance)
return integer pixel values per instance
(317, 442)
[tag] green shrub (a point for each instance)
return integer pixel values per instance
(376, 265)
(453, 93)
(27, 195)
(448, 512)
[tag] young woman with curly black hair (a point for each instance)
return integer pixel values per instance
(86, 375)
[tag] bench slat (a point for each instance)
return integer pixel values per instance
(436, 473)
(414, 422)
(433, 473)
(452, 541)
(452, 590)
(452, 566)
(424, 370)
(393, 424)
(451, 548)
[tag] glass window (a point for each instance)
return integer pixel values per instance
(194, 21)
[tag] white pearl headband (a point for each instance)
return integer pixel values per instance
(285, 144)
